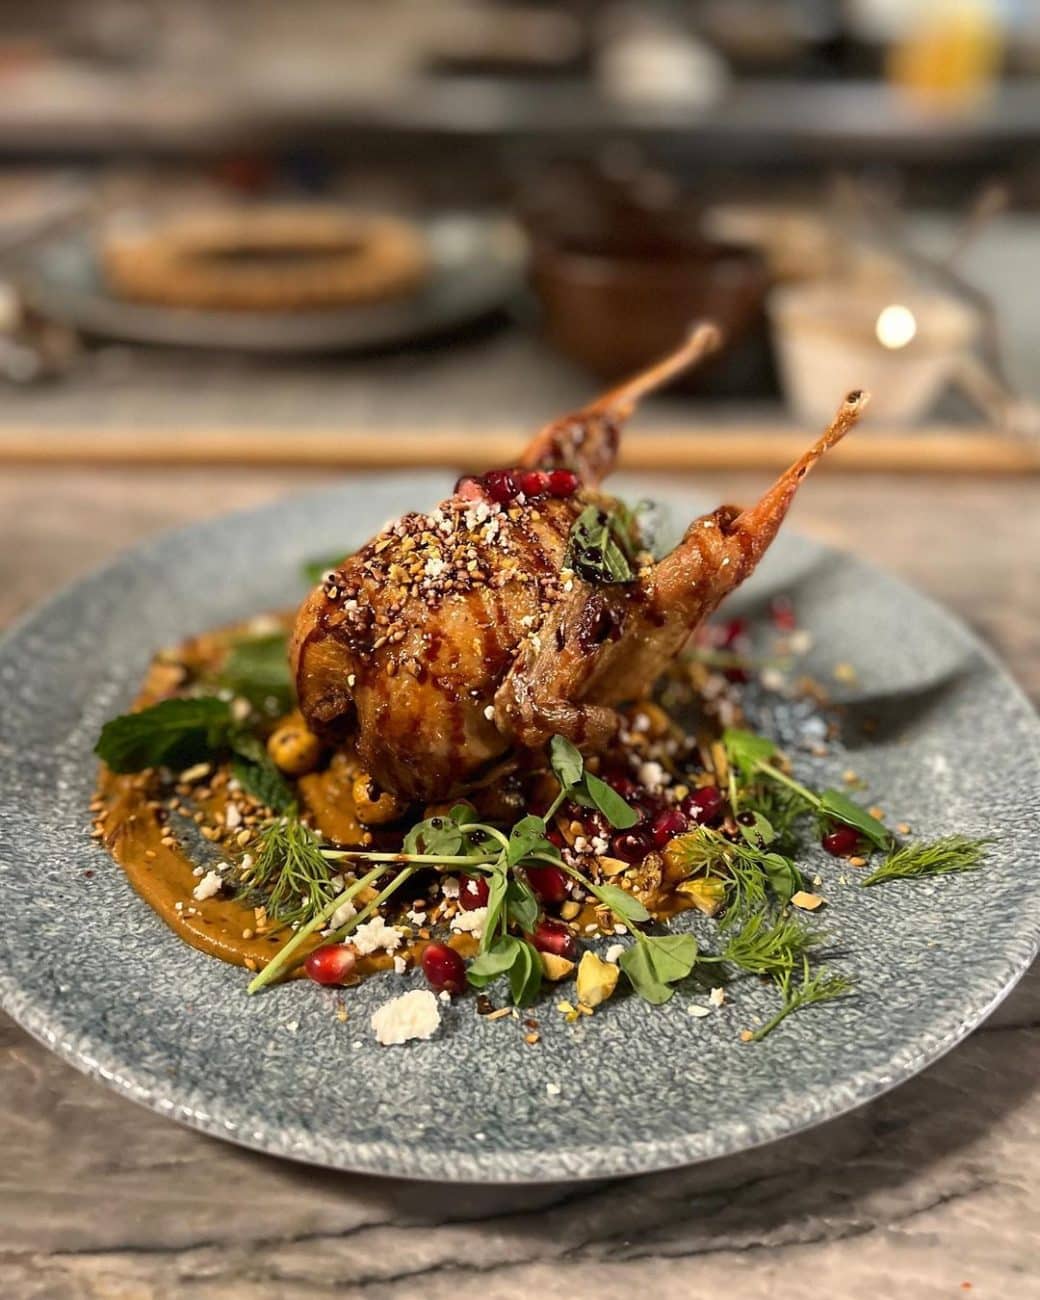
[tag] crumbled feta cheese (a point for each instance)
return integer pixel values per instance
(444, 996)
(375, 935)
(600, 844)
(553, 1089)
(717, 996)
(342, 915)
(580, 844)
(450, 887)
(400, 965)
(652, 775)
(434, 566)
(412, 1015)
(614, 952)
(209, 885)
(470, 922)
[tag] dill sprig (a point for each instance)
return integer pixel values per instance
(765, 949)
(813, 990)
(290, 872)
(936, 858)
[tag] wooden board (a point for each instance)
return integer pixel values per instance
(940, 450)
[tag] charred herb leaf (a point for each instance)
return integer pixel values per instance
(600, 546)
(174, 733)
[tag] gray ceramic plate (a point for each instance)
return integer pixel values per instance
(476, 266)
(93, 973)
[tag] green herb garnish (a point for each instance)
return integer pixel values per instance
(813, 989)
(257, 668)
(290, 872)
(938, 858)
(174, 733)
(600, 546)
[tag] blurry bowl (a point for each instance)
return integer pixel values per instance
(615, 313)
(826, 340)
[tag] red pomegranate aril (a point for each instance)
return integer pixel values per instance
(473, 893)
(622, 785)
(331, 964)
(631, 846)
(500, 485)
(842, 841)
(444, 968)
(533, 482)
(555, 836)
(704, 806)
(731, 632)
(563, 482)
(783, 615)
(550, 936)
(666, 826)
(548, 883)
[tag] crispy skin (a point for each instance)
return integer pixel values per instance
(416, 701)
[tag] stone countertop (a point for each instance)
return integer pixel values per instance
(925, 1194)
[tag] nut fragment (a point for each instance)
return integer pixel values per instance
(597, 979)
(294, 749)
(807, 902)
(570, 910)
(555, 968)
(707, 893)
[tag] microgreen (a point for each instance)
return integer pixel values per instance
(937, 858)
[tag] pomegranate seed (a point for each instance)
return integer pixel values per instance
(555, 836)
(783, 615)
(548, 883)
(469, 488)
(331, 964)
(736, 675)
(473, 893)
(622, 785)
(666, 825)
(704, 806)
(443, 968)
(731, 632)
(551, 936)
(631, 846)
(563, 483)
(533, 482)
(842, 841)
(500, 485)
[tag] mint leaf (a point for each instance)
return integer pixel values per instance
(174, 733)
(839, 807)
(258, 775)
(610, 803)
(257, 668)
(566, 761)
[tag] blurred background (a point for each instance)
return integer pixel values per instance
(357, 234)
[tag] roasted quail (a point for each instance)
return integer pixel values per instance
(454, 637)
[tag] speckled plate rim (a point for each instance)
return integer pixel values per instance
(93, 1057)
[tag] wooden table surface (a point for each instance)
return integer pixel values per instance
(925, 1193)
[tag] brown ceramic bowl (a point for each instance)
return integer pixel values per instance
(613, 313)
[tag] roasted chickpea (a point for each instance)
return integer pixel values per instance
(374, 806)
(294, 749)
